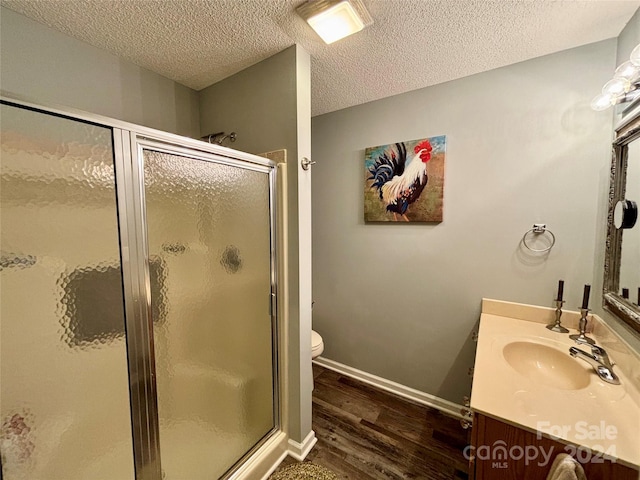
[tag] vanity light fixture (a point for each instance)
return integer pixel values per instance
(623, 87)
(333, 20)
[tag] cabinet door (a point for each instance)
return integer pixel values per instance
(497, 439)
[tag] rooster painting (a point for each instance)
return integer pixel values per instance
(399, 181)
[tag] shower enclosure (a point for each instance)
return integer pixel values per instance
(137, 302)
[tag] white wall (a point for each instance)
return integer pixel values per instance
(48, 67)
(523, 147)
(303, 377)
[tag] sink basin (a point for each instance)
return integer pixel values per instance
(546, 365)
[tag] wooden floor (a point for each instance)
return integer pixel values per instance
(367, 433)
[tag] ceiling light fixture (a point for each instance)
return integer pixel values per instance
(623, 87)
(333, 20)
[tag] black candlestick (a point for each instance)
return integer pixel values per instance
(585, 296)
(560, 290)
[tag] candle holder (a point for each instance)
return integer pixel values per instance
(557, 325)
(582, 329)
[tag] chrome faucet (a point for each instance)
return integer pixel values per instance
(599, 360)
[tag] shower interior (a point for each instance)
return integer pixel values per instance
(139, 333)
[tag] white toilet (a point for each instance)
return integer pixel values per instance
(317, 345)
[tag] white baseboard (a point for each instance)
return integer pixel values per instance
(264, 461)
(275, 465)
(299, 451)
(423, 398)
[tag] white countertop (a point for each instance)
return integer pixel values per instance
(592, 413)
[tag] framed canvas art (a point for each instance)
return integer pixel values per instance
(404, 182)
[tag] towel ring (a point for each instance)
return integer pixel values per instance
(538, 229)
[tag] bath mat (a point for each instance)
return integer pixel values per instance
(303, 471)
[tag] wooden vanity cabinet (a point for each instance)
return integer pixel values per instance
(490, 432)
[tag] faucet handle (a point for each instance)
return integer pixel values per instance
(601, 355)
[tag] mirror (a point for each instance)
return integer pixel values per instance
(622, 258)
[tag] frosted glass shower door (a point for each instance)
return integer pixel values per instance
(209, 231)
(64, 406)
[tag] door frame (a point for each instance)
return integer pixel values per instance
(141, 294)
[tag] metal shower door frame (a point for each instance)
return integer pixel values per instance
(142, 384)
(128, 141)
(145, 420)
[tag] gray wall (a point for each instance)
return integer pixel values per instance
(268, 87)
(523, 147)
(628, 39)
(626, 42)
(268, 106)
(49, 67)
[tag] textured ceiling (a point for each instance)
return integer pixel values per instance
(412, 44)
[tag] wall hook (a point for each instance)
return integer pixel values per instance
(306, 163)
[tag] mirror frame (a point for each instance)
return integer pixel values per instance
(626, 132)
